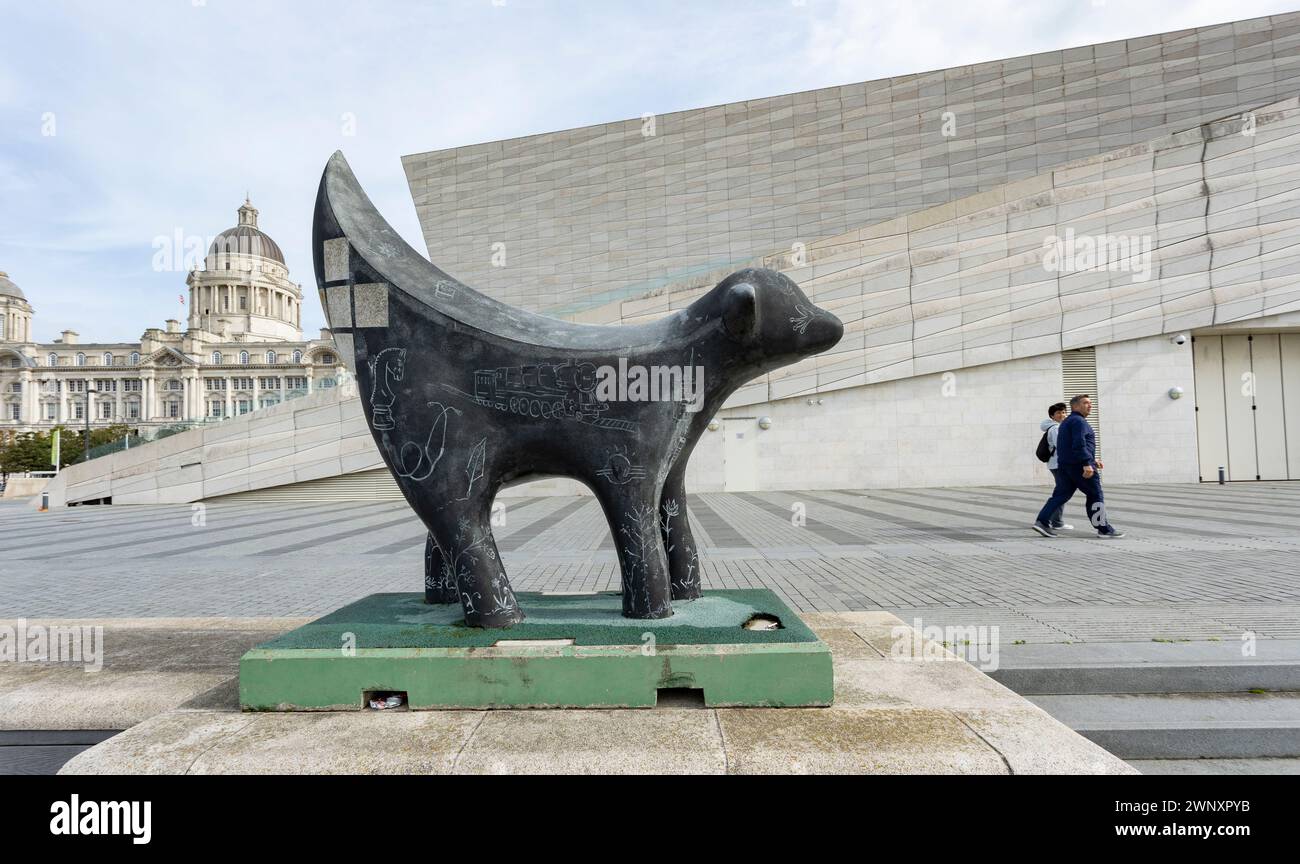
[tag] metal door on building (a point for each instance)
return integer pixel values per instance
(1248, 406)
(740, 454)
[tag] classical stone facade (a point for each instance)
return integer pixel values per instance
(243, 349)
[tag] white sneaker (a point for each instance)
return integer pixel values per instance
(1063, 527)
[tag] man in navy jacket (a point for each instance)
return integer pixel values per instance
(1077, 467)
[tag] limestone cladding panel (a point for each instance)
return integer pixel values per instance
(977, 426)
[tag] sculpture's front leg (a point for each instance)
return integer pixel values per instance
(463, 543)
(632, 511)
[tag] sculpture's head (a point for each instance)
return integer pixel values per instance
(771, 320)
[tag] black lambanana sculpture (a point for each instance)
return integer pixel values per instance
(466, 395)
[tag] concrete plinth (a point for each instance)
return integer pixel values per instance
(572, 651)
(893, 713)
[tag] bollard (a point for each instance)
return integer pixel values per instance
(1221, 478)
(45, 501)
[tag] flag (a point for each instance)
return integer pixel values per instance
(55, 451)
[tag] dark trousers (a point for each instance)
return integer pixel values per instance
(1058, 518)
(1070, 479)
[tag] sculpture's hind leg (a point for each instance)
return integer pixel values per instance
(683, 554)
(462, 537)
(439, 577)
(632, 511)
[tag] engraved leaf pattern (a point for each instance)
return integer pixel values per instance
(474, 470)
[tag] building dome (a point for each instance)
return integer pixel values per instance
(246, 238)
(9, 289)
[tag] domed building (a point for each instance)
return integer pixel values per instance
(242, 349)
(243, 289)
(15, 312)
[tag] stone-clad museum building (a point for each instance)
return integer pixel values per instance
(1120, 219)
(994, 236)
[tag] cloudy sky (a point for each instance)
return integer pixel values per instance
(123, 122)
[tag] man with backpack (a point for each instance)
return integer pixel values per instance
(1046, 452)
(1077, 470)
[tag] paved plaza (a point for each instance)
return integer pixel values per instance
(1201, 562)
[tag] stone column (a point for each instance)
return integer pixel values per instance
(255, 391)
(230, 396)
(146, 397)
(29, 398)
(40, 405)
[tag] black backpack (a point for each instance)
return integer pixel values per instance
(1044, 450)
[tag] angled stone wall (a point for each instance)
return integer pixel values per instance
(606, 212)
(321, 435)
(1210, 215)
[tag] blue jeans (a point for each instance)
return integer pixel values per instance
(1058, 518)
(1070, 479)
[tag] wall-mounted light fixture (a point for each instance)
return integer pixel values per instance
(764, 422)
(1175, 392)
(713, 425)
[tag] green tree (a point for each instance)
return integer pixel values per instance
(27, 452)
(30, 451)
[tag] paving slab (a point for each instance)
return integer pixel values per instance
(168, 743)
(660, 741)
(59, 698)
(854, 741)
(401, 742)
(145, 667)
(1209, 562)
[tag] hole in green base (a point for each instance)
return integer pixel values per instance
(382, 700)
(763, 621)
(679, 697)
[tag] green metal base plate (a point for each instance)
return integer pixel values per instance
(571, 651)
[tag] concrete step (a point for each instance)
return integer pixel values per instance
(1150, 667)
(1216, 766)
(44, 751)
(1184, 726)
